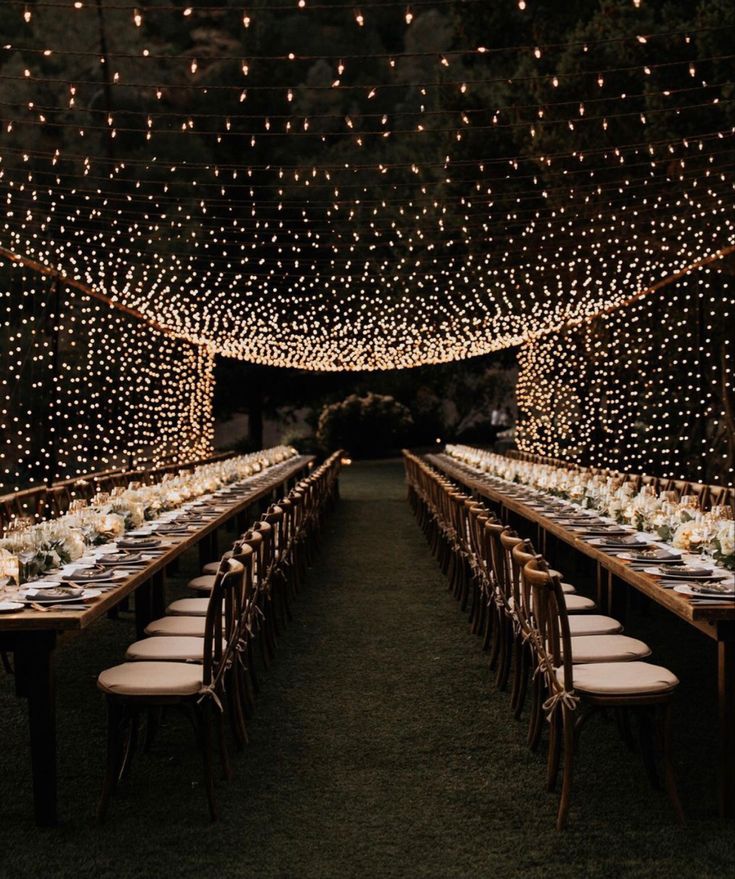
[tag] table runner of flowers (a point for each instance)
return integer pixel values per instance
(48, 545)
(677, 521)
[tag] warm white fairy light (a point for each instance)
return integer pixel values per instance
(607, 395)
(117, 393)
(313, 307)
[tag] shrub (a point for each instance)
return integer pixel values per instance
(301, 439)
(369, 426)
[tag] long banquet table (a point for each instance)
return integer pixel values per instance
(31, 635)
(717, 621)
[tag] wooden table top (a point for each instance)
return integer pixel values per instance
(173, 546)
(706, 617)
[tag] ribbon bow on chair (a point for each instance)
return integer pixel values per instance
(210, 692)
(565, 697)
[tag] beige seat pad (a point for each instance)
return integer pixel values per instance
(194, 607)
(174, 648)
(593, 624)
(193, 626)
(608, 648)
(152, 679)
(623, 678)
(205, 583)
(578, 603)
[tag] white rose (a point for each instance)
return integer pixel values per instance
(74, 545)
(682, 536)
(726, 538)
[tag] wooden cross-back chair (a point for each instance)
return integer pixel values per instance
(133, 687)
(574, 689)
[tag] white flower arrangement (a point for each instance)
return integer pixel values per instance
(680, 525)
(57, 542)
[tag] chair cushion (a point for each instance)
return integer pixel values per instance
(593, 624)
(174, 648)
(578, 603)
(205, 583)
(171, 648)
(193, 626)
(213, 567)
(152, 679)
(567, 588)
(193, 607)
(608, 648)
(622, 678)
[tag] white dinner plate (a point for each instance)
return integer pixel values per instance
(142, 542)
(105, 577)
(614, 542)
(686, 589)
(118, 560)
(10, 606)
(76, 599)
(174, 532)
(674, 560)
(678, 574)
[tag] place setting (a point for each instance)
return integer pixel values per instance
(670, 575)
(174, 530)
(123, 559)
(707, 592)
(103, 576)
(136, 541)
(620, 544)
(51, 596)
(651, 555)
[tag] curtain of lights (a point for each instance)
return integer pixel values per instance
(644, 388)
(87, 387)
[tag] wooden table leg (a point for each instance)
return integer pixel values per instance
(158, 595)
(726, 696)
(143, 607)
(34, 674)
(602, 596)
(205, 550)
(617, 597)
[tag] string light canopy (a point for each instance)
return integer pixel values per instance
(336, 187)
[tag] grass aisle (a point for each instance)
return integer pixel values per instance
(378, 748)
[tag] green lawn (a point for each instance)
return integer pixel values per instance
(379, 748)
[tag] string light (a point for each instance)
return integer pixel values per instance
(607, 394)
(89, 388)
